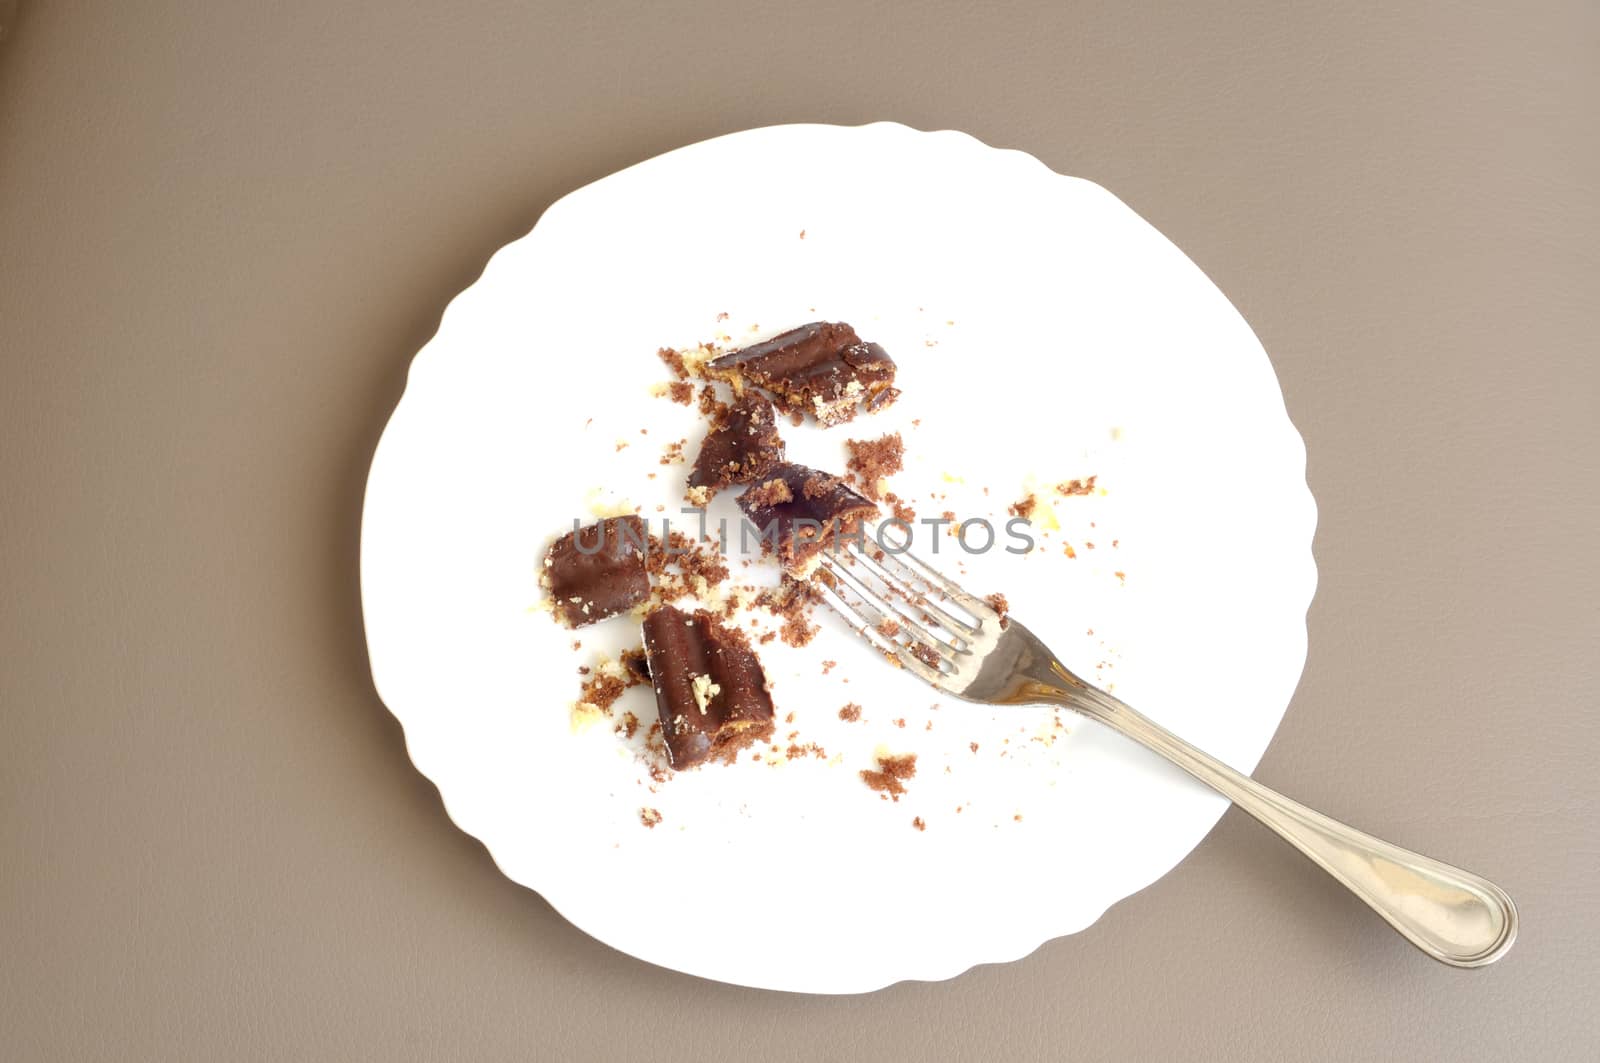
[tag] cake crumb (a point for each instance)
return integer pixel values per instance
(1023, 507)
(628, 725)
(802, 234)
(900, 722)
(1069, 488)
(998, 603)
(828, 666)
(892, 771)
(771, 493)
(850, 713)
(649, 817)
(792, 601)
(681, 392)
(674, 361)
(873, 461)
(974, 746)
(917, 824)
(722, 316)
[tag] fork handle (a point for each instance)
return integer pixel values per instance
(1454, 916)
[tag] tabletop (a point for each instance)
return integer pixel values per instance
(225, 230)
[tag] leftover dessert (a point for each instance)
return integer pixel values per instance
(597, 571)
(798, 511)
(711, 694)
(823, 369)
(742, 445)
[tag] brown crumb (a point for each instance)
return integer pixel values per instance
(792, 601)
(850, 713)
(649, 817)
(1066, 548)
(1076, 487)
(602, 691)
(710, 405)
(795, 751)
(893, 769)
(802, 234)
(998, 603)
(1023, 507)
(902, 509)
(722, 316)
(917, 824)
(873, 461)
(628, 725)
(900, 722)
(622, 444)
(577, 644)
(771, 493)
(888, 627)
(925, 653)
(1017, 818)
(974, 746)
(828, 666)
(674, 362)
(681, 392)
(672, 453)
(1121, 576)
(797, 418)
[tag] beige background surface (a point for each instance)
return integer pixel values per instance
(224, 232)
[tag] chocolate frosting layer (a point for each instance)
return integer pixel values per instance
(602, 578)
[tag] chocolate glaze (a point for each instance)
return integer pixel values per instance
(732, 708)
(743, 443)
(792, 494)
(823, 369)
(608, 579)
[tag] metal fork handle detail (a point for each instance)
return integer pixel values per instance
(1455, 916)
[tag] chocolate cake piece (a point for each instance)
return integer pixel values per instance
(823, 369)
(742, 444)
(597, 571)
(798, 510)
(711, 694)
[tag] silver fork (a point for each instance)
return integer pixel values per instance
(909, 611)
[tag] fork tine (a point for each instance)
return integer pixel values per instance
(920, 569)
(916, 598)
(863, 624)
(887, 610)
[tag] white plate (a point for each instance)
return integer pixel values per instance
(1043, 332)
